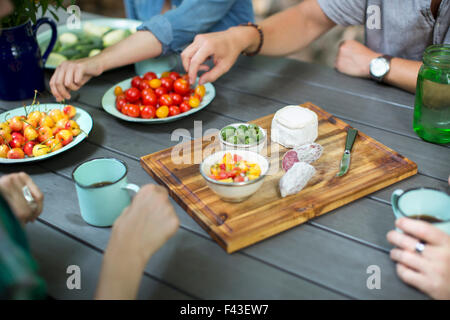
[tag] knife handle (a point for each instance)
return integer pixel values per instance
(351, 136)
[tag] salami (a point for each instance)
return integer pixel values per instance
(296, 178)
(307, 153)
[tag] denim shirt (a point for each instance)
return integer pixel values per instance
(176, 28)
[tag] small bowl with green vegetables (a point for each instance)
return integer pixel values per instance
(243, 136)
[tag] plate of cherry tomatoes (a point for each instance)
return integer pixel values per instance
(41, 131)
(156, 98)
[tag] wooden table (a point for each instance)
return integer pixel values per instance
(326, 258)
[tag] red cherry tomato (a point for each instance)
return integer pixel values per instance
(132, 94)
(176, 98)
(136, 81)
(120, 103)
(174, 110)
(150, 76)
(184, 106)
(165, 100)
(149, 112)
(125, 109)
(181, 86)
(150, 99)
(160, 91)
(167, 83)
(174, 75)
(144, 85)
(134, 110)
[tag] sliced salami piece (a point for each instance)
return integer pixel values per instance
(296, 178)
(307, 153)
(289, 159)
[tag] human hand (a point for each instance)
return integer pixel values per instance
(354, 59)
(428, 271)
(144, 226)
(11, 186)
(72, 75)
(223, 47)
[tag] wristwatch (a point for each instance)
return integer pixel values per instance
(379, 67)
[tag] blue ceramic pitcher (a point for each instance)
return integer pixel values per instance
(21, 63)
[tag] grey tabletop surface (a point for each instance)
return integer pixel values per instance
(325, 258)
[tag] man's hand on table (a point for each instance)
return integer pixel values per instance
(137, 234)
(354, 59)
(428, 271)
(11, 187)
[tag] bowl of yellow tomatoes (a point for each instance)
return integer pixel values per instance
(37, 132)
(234, 175)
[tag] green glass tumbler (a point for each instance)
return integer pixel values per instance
(432, 104)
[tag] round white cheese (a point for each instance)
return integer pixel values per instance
(294, 126)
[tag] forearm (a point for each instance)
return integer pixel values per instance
(139, 46)
(403, 74)
(120, 276)
(288, 31)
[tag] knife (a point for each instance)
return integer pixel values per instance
(345, 162)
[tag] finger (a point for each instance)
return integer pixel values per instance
(412, 277)
(409, 259)
(198, 59)
(53, 87)
(69, 78)
(213, 74)
(59, 82)
(204, 67)
(37, 195)
(402, 240)
(421, 230)
(187, 55)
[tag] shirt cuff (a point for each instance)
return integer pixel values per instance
(162, 30)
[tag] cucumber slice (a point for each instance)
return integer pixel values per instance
(55, 59)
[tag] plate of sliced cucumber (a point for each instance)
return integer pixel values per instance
(92, 37)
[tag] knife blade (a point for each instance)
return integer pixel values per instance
(345, 161)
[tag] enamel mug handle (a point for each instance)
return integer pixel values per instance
(394, 201)
(132, 187)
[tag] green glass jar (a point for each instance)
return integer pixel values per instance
(432, 106)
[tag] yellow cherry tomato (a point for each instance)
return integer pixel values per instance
(165, 74)
(200, 90)
(194, 102)
(162, 112)
(118, 91)
(155, 83)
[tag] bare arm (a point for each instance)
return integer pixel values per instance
(284, 33)
(403, 74)
(354, 59)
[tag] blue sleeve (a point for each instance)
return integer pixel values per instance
(177, 27)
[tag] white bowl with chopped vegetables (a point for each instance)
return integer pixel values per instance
(234, 175)
(243, 136)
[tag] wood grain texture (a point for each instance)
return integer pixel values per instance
(235, 226)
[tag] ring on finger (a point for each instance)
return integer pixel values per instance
(29, 198)
(420, 246)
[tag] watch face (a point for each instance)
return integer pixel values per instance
(379, 67)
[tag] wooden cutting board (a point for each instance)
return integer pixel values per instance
(237, 225)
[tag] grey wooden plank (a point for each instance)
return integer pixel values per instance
(191, 263)
(55, 251)
(325, 77)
